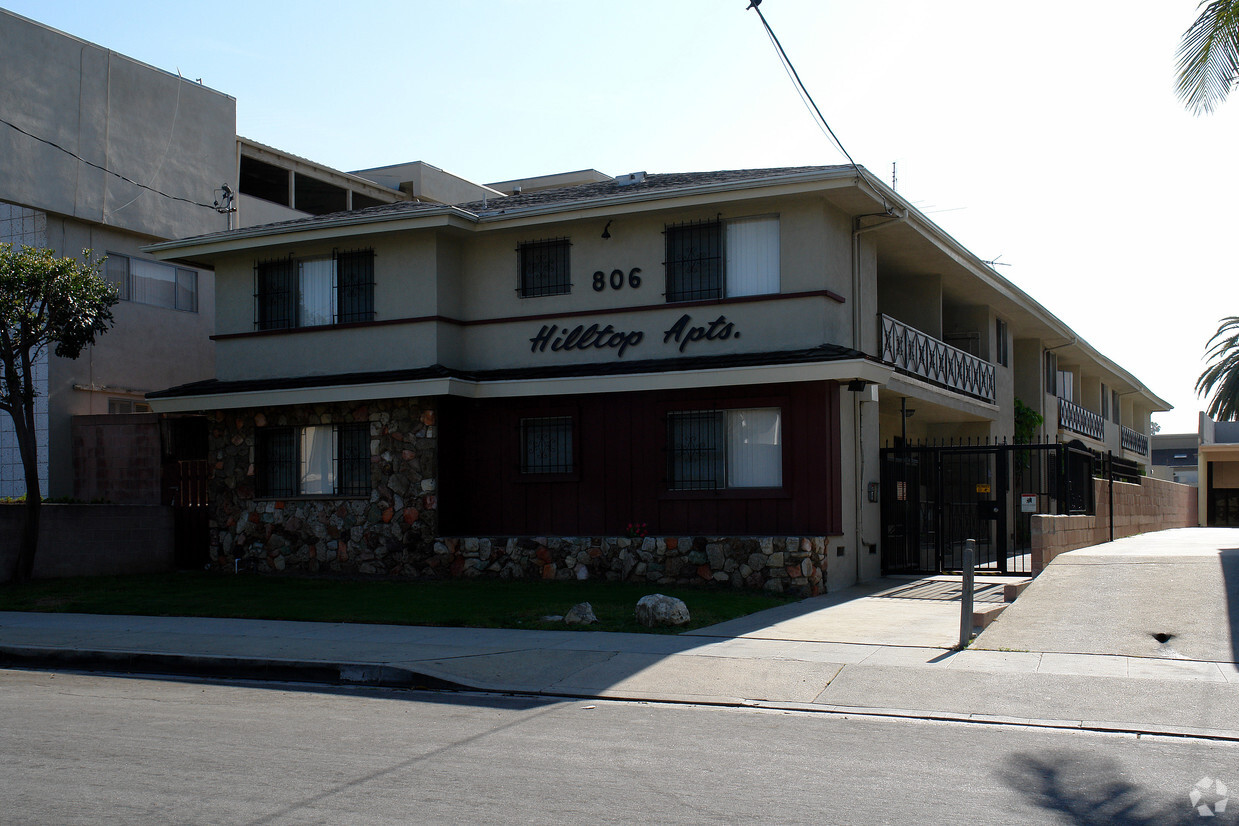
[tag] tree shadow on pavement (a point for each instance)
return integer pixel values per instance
(1229, 558)
(1088, 788)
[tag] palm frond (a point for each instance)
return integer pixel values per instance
(1208, 56)
(1221, 377)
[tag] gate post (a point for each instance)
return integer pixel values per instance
(965, 597)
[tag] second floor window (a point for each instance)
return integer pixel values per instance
(314, 292)
(151, 282)
(722, 259)
(544, 268)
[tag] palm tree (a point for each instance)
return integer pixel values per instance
(1209, 56)
(1223, 373)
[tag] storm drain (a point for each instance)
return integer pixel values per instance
(945, 591)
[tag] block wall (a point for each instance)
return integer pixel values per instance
(1153, 505)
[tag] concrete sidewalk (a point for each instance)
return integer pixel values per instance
(876, 649)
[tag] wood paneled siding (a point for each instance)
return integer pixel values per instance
(620, 470)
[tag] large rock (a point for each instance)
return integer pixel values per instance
(658, 609)
(580, 614)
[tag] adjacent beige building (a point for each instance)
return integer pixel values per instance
(99, 151)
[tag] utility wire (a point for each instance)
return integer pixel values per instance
(104, 169)
(807, 98)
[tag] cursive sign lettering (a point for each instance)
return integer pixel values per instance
(581, 337)
(718, 329)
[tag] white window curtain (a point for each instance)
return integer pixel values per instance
(152, 283)
(753, 256)
(318, 453)
(754, 448)
(317, 294)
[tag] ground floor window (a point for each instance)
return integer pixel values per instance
(716, 449)
(319, 460)
(546, 445)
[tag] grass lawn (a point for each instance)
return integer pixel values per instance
(475, 602)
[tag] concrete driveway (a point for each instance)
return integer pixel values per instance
(1171, 594)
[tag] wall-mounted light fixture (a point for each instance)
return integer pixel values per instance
(606, 231)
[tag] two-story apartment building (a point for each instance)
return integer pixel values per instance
(670, 378)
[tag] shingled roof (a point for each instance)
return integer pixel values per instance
(568, 196)
(821, 353)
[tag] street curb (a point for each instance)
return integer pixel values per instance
(245, 668)
(385, 676)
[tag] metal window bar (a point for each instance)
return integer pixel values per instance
(354, 285)
(275, 461)
(694, 261)
(275, 294)
(696, 450)
(546, 445)
(544, 268)
(353, 440)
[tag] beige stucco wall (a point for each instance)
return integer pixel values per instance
(916, 301)
(147, 348)
(152, 126)
(454, 297)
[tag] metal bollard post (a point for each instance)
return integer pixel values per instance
(965, 598)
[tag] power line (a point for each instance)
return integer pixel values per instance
(104, 169)
(803, 91)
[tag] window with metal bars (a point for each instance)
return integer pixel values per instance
(694, 261)
(696, 450)
(546, 445)
(314, 292)
(714, 449)
(315, 460)
(544, 268)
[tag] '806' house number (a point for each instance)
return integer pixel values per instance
(617, 279)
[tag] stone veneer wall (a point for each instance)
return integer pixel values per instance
(782, 564)
(1153, 505)
(392, 532)
(388, 532)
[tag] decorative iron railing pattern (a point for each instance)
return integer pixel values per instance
(1135, 441)
(1077, 419)
(908, 349)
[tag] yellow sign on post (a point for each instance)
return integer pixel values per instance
(982, 488)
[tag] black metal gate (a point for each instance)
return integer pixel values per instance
(186, 479)
(935, 497)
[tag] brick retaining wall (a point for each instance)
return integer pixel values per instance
(1154, 505)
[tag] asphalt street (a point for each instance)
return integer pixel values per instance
(94, 748)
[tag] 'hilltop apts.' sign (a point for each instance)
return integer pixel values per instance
(596, 337)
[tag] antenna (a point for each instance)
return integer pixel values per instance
(895, 175)
(996, 262)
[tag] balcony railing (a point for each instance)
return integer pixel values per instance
(922, 355)
(1135, 441)
(1079, 420)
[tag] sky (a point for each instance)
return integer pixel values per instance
(1044, 136)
